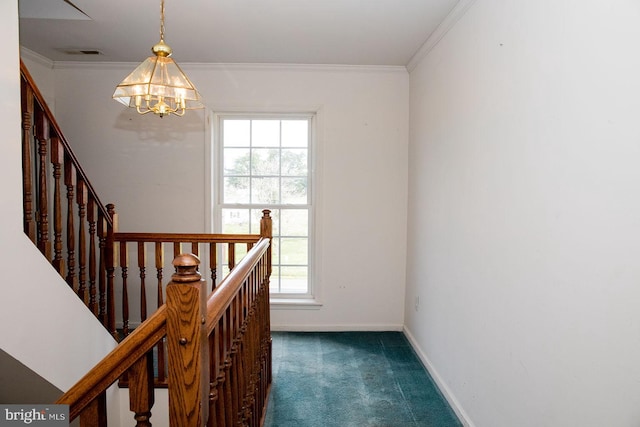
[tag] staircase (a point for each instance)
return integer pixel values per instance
(208, 344)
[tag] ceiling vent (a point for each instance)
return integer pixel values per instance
(80, 51)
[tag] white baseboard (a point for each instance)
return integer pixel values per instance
(442, 385)
(336, 328)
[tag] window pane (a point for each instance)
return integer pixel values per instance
(266, 166)
(265, 190)
(293, 280)
(295, 222)
(294, 162)
(294, 191)
(236, 133)
(295, 133)
(274, 284)
(236, 190)
(265, 161)
(265, 133)
(241, 251)
(275, 250)
(235, 221)
(236, 161)
(294, 251)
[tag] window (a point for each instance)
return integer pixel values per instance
(265, 163)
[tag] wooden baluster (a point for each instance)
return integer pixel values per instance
(231, 255)
(237, 364)
(252, 393)
(266, 331)
(235, 368)
(177, 249)
(213, 263)
(27, 159)
(244, 373)
(142, 261)
(242, 367)
(253, 354)
(70, 182)
(187, 345)
(124, 267)
(57, 159)
(42, 135)
(102, 269)
(257, 384)
(92, 207)
(262, 383)
(227, 338)
(159, 253)
(110, 270)
(141, 395)
(264, 362)
(95, 414)
(266, 231)
(218, 359)
(82, 240)
(195, 250)
(214, 372)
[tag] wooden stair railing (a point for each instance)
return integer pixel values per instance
(142, 254)
(219, 350)
(74, 230)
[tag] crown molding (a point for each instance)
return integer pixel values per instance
(36, 57)
(238, 66)
(449, 21)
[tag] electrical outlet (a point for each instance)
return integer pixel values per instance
(417, 303)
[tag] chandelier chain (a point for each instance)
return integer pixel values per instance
(162, 20)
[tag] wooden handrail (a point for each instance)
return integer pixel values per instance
(116, 363)
(186, 237)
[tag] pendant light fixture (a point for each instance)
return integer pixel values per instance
(158, 85)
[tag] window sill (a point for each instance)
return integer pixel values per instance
(294, 304)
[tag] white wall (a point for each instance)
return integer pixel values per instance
(154, 169)
(524, 210)
(42, 323)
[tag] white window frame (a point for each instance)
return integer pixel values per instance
(214, 187)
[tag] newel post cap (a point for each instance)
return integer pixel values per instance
(186, 268)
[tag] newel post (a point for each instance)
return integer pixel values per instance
(187, 344)
(266, 230)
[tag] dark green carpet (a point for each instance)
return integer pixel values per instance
(352, 379)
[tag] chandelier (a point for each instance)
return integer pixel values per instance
(158, 85)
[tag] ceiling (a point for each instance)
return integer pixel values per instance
(349, 32)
